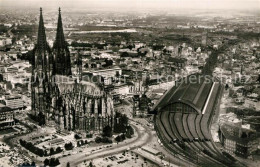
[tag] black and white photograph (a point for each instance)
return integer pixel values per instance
(129, 83)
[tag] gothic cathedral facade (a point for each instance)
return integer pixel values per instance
(57, 96)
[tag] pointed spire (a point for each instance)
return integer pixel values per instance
(60, 40)
(41, 42)
(61, 51)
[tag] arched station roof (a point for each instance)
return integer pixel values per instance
(194, 91)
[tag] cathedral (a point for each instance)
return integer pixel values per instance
(60, 97)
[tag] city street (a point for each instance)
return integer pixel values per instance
(143, 137)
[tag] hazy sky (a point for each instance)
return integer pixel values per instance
(137, 4)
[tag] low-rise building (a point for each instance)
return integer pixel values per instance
(6, 117)
(13, 102)
(108, 74)
(178, 62)
(151, 150)
(121, 89)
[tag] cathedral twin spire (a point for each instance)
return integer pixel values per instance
(60, 40)
(59, 59)
(41, 42)
(46, 63)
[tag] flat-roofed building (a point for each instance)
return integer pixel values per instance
(107, 73)
(14, 102)
(238, 140)
(6, 117)
(151, 150)
(57, 141)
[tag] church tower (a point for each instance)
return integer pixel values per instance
(41, 75)
(62, 65)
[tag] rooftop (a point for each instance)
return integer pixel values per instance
(237, 133)
(195, 90)
(3, 108)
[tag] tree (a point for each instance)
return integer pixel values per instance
(30, 146)
(130, 47)
(54, 162)
(41, 118)
(22, 142)
(89, 135)
(124, 54)
(98, 140)
(1, 78)
(129, 132)
(76, 136)
(82, 142)
(120, 123)
(106, 140)
(57, 162)
(108, 63)
(123, 137)
(46, 162)
(58, 150)
(25, 164)
(45, 153)
(40, 152)
(68, 164)
(68, 146)
(52, 151)
(78, 144)
(118, 138)
(107, 131)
